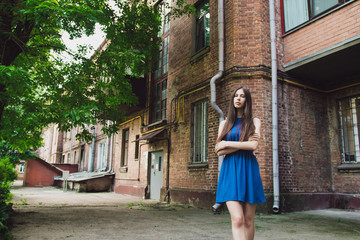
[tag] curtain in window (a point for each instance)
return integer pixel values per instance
(318, 6)
(295, 13)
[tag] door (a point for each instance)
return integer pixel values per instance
(156, 174)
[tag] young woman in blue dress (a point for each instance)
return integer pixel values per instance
(240, 184)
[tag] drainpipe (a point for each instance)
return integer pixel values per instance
(50, 144)
(92, 159)
(167, 196)
(71, 144)
(111, 153)
(274, 108)
(107, 148)
(221, 68)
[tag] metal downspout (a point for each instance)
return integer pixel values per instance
(274, 108)
(221, 68)
(167, 195)
(111, 153)
(71, 144)
(107, 148)
(92, 159)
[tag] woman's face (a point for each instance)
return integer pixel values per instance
(239, 99)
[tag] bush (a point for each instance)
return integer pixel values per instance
(7, 176)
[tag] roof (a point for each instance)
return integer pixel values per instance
(151, 135)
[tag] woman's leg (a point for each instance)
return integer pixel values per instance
(237, 219)
(249, 217)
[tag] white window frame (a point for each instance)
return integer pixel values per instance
(101, 155)
(349, 129)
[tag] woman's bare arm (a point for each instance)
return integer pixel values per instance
(226, 147)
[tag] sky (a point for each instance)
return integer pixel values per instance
(94, 40)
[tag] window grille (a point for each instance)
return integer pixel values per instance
(349, 113)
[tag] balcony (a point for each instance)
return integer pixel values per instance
(324, 53)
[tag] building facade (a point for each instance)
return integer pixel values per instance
(165, 148)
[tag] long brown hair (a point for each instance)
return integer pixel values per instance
(247, 124)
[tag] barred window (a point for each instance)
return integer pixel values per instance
(199, 131)
(349, 113)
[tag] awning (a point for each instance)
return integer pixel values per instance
(151, 135)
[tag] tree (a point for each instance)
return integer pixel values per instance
(37, 87)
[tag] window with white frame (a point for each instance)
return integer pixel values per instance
(22, 167)
(349, 113)
(199, 132)
(297, 12)
(101, 156)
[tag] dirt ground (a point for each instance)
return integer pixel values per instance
(51, 213)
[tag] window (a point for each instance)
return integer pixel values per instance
(137, 146)
(162, 64)
(125, 147)
(349, 113)
(159, 83)
(159, 90)
(199, 132)
(159, 101)
(22, 167)
(297, 12)
(165, 17)
(101, 155)
(202, 38)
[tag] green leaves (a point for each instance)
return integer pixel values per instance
(38, 88)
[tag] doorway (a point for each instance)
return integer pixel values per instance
(156, 174)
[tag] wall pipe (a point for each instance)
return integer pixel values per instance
(221, 68)
(276, 185)
(71, 144)
(111, 152)
(107, 148)
(167, 195)
(92, 158)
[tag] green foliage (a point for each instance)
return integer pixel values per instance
(7, 176)
(9, 157)
(37, 87)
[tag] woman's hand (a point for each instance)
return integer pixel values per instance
(254, 137)
(220, 146)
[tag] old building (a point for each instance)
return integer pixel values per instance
(165, 148)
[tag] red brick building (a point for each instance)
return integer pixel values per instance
(165, 148)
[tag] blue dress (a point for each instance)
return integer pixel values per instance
(239, 178)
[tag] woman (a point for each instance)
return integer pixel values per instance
(240, 184)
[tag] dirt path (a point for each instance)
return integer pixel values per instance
(50, 213)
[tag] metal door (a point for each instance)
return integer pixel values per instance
(156, 174)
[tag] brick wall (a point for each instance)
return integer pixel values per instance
(134, 178)
(246, 31)
(323, 33)
(303, 140)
